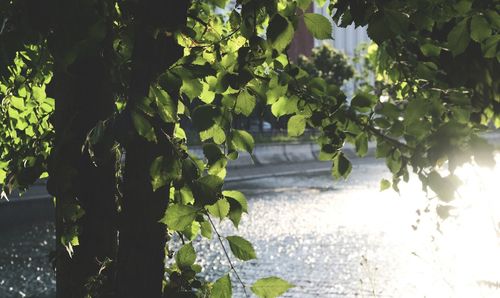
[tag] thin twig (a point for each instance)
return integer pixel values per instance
(182, 238)
(227, 256)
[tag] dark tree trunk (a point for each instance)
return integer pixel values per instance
(83, 96)
(82, 99)
(141, 257)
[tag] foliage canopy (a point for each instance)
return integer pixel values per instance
(437, 75)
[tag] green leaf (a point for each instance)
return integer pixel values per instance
(191, 168)
(304, 4)
(143, 127)
(163, 171)
(275, 92)
(222, 288)
(191, 231)
(480, 29)
(186, 256)
(296, 125)
(341, 166)
(463, 6)
(220, 209)
(167, 108)
(384, 184)
(178, 217)
(206, 229)
(459, 38)
(205, 116)
(215, 132)
(361, 143)
(241, 248)
(430, 50)
(378, 29)
(270, 287)
(394, 161)
(186, 195)
(490, 45)
(242, 140)
(396, 21)
(38, 93)
(207, 189)
(319, 26)
(415, 110)
(443, 187)
(216, 159)
(206, 95)
(494, 18)
(192, 88)
(245, 103)
(17, 103)
(363, 101)
(238, 196)
(280, 32)
(235, 211)
(285, 106)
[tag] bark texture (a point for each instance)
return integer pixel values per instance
(141, 257)
(82, 89)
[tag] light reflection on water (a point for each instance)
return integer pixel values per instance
(347, 239)
(472, 236)
(352, 240)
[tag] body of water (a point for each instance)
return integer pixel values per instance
(330, 239)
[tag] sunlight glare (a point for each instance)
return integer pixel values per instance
(473, 234)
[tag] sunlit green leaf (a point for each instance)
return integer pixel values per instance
(222, 288)
(296, 125)
(17, 103)
(394, 161)
(167, 108)
(191, 231)
(444, 187)
(241, 248)
(341, 166)
(186, 256)
(285, 106)
(242, 140)
(319, 26)
(178, 217)
(245, 103)
(206, 229)
(235, 211)
(238, 196)
(163, 171)
(220, 209)
(143, 126)
(384, 184)
(270, 287)
(192, 88)
(361, 143)
(207, 189)
(280, 32)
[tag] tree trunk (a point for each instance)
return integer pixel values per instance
(82, 99)
(83, 96)
(141, 257)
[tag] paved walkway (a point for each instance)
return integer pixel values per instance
(275, 170)
(38, 191)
